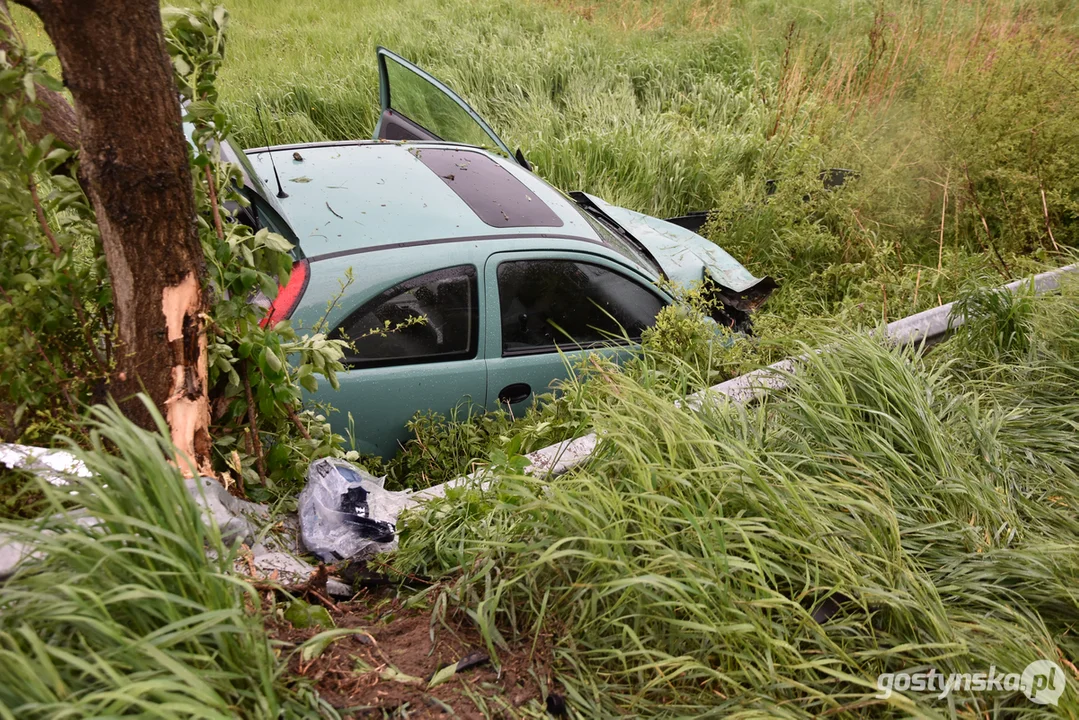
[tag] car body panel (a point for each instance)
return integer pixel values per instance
(378, 212)
(383, 399)
(685, 256)
(344, 197)
(376, 271)
(382, 213)
(539, 371)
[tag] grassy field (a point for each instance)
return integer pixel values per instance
(887, 512)
(890, 511)
(925, 500)
(136, 612)
(960, 119)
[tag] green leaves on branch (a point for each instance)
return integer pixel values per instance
(256, 373)
(55, 303)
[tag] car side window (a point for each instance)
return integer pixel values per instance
(547, 304)
(427, 106)
(429, 318)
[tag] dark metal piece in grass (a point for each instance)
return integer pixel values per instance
(829, 606)
(473, 659)
(556, 705)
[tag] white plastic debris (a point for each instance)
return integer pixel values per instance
(12, 554)
(47, 463)
(346, 512)
(235, 518)
(267, 563)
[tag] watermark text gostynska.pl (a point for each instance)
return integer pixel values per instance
(1042, 682)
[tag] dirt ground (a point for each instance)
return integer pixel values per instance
(385, 670)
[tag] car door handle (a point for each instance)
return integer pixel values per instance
(515, 393)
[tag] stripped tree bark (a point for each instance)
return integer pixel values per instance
(134, 167)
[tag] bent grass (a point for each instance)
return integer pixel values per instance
(888, 511)
(130, 605)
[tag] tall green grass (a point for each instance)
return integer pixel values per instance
(961, 120)
(887, 512)
(122, 611)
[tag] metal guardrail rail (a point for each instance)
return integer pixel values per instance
(928, 328)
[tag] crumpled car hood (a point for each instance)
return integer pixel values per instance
(686, 257)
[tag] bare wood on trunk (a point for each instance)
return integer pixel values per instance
(135, 168)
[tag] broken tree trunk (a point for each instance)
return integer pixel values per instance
(135, 169)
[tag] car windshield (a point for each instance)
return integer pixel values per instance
(616, 242)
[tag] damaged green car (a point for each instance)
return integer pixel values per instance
(472, 277)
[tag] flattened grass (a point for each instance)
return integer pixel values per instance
(887, 512)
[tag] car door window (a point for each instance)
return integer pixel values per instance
(548, 304)
(431, 111)
(430, 318)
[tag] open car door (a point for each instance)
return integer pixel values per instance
(416, 106)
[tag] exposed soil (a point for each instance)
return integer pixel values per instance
(385, 670)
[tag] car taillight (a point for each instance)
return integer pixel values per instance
(288, 295)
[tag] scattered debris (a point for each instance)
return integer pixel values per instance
(346, 513)
(556, 705)
(333, 211)
(446, 672)
(301, 179)
(236, 519)
(12, 554)
(266, 563)
(47, 463)
(297, 157)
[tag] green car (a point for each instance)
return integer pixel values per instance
(471, 276)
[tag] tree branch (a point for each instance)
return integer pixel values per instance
(252, 419)
(57, 115)
(297, 422)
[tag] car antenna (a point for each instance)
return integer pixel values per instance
(266, 138)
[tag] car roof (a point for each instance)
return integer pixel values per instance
(353, 196)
